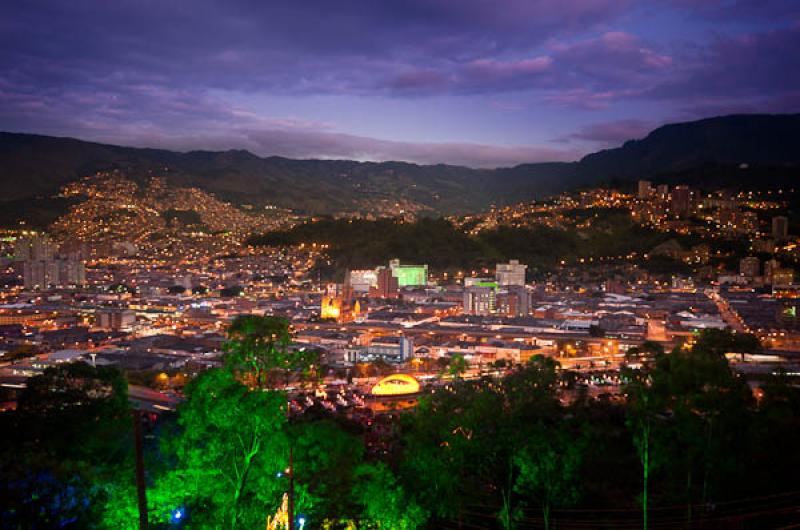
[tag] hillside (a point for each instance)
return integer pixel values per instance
(702, 152)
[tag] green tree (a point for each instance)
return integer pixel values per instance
(708, 406)
(452, 447)
(549, 467)
(457, 367)
(326, 457)
(66, 448)
(385, 503)
(258, 349)
(718, 342)
(459, 445)
(228, 449)
(643, 410)
(687, 409)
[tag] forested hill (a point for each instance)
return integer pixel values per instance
(733, 150)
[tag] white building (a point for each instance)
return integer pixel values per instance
(480, 299)
(361, 280)
(511, 273)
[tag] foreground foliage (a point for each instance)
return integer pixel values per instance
(686, 446)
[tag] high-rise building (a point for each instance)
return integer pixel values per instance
(71, 272)
(480, 298)
(34, 247)
(780, 227)
(116, 319)
(75, 249)
(409, 275)
(645, 189)
(515, 301)
(42, 268)
(750, 266)
(387, 284)
(682, 200)
(511, 273)
(40, 274)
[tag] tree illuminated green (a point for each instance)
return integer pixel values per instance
(385, 504)
(257, 346)
(708, 406)
(643, 410)
(460, 443)
(66, 448)
(549, 468)
(229, 447)
(325, 461)
(458, 366)
(686, 409)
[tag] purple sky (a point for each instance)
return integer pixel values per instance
(476, 82)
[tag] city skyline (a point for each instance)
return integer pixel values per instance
(518, 264)
(481, 85)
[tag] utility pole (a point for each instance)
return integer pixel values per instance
(140, 485)
(291, 489)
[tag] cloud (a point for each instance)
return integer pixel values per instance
(310, 46)
(147, 116)
(742, 10)
(148, 70)
(301, 143)
(753, 72)
(613, 133)
(602, 64)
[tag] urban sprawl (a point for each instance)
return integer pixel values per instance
(148, 283)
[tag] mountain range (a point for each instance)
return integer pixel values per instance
(736, 151)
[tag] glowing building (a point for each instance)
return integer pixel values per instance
(331, 307)
(396, 385)
(409, 275)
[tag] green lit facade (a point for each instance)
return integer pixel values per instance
(409, 275)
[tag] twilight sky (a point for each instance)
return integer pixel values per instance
(475, 82)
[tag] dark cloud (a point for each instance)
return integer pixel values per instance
(311, 45)
(153, 71)
(613, 133)
(742, 10)
(746, 73)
